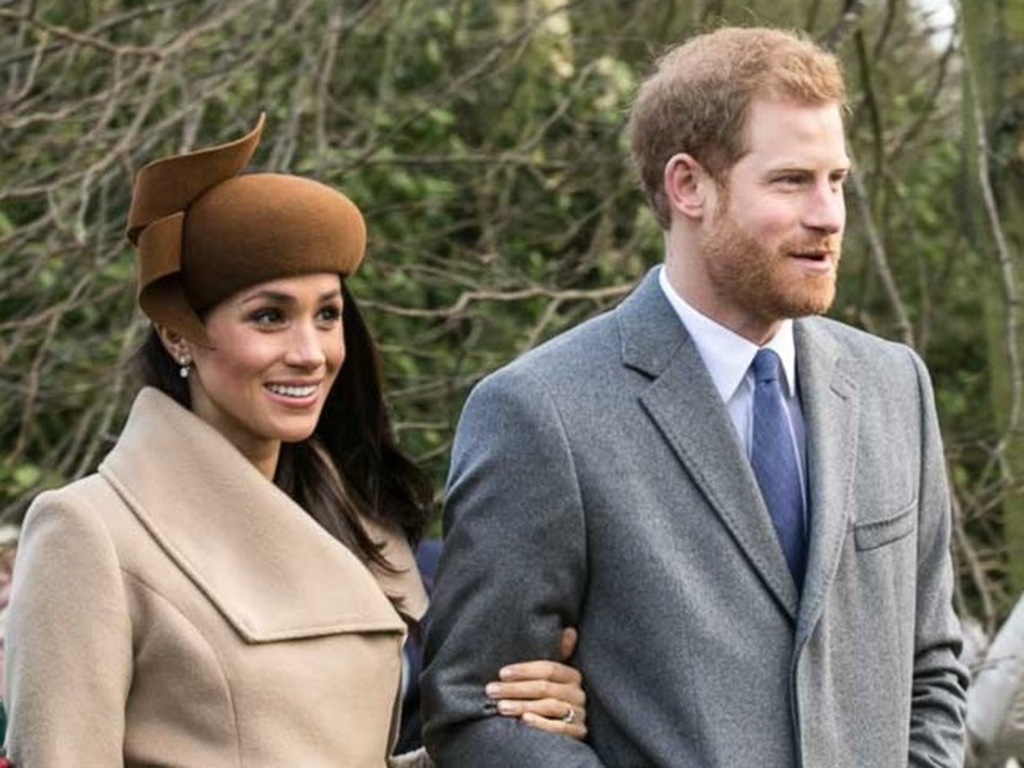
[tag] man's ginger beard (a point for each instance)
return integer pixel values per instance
(757, 275)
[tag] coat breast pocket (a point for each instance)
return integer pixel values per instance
(878, 533)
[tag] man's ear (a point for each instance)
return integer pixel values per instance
(687, 185)
(175, 344)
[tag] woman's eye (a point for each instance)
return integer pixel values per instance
(267, 316)
(330, 314)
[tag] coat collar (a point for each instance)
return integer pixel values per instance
(650, 331)
(270, 569)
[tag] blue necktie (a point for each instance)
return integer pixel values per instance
(773, 457)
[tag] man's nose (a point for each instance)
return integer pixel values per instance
(826, 210)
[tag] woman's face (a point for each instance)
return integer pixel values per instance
(278, 347)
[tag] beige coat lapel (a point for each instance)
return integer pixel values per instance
(267, 565)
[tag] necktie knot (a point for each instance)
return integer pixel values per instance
(766, 366)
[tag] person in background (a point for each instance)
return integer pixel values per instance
(741, 507)
(410, 735)
(995, 699)
(8, 552)
(234, 585)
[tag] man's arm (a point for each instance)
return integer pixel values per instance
(940, 682)
(512, 574)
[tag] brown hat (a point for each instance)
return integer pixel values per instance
(204, 232)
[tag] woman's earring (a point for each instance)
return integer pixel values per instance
(186, 365)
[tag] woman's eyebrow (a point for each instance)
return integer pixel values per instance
(274, 296)
(278, 297)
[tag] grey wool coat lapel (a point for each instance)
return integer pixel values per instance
(683, 402)
(828, 395)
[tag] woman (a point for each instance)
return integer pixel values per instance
(234, 585)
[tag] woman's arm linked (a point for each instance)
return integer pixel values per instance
(543, 694)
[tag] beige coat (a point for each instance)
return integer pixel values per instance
(177, 609)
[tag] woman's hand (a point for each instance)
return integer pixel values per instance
(544, 694)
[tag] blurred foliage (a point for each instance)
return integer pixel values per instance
(483, 140)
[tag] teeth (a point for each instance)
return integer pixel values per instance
(279, 389)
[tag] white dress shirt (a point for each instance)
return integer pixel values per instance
(728, 357)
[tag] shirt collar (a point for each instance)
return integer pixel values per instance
(726, 354)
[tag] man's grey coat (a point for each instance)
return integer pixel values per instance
(598, 482)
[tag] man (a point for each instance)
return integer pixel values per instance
(745, 515)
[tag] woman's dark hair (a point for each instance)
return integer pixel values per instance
(351, 467)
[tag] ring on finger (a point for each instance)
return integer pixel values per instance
(569, 717)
